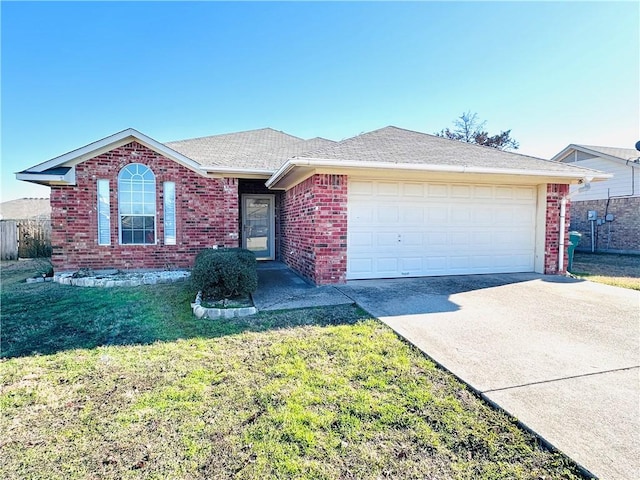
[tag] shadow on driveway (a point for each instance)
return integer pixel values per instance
(411, 296)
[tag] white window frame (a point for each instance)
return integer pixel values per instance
(121, 215)
(104, 212)
(169, 213)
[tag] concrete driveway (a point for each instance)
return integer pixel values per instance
(561, 355)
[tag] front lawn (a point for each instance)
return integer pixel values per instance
(125, 383)
(609, 268)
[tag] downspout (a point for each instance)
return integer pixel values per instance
(563, 215)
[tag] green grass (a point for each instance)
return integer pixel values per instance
(608, 268)
(125, 383)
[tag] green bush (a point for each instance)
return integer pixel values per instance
(225, 273)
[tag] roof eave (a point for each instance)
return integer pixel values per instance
(48, 179)
(232, 172)
(285, 177)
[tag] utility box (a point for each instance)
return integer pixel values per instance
(574, 241)
(592, 215)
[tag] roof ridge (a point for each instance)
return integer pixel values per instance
(320, 138)
(601, 146)
(234, 133)
(472, 145)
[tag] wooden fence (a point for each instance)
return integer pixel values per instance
(8, 240)
(30, 238)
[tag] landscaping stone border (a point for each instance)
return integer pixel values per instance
(212, 313)
(114, 278)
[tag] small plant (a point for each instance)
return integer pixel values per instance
(225, 273)
(43, 268)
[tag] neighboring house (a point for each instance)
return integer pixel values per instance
(615, 227)
(388, 203)
(25, 208)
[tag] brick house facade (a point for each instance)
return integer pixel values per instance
(206, 215)
(614, 201)
(622, 235)
(311, 208)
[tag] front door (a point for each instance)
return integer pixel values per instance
(258, 225)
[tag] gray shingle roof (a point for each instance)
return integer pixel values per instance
(397, 145)
(263, 149)
(621, 153)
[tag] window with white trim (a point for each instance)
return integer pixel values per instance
(137, 205)
(169, 213)
(104, 213)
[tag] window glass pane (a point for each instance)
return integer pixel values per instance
(104, 213)
(169, 213)
(149, 209)
(137, 204)
(127, 236)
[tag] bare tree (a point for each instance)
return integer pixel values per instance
(468, 128)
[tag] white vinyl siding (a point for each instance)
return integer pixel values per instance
(104, 214)
(169, 213)
(622, 182)
(412, 229)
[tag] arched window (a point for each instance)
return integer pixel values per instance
(137, 204)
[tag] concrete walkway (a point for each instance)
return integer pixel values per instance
(279, 288)
(561, 355)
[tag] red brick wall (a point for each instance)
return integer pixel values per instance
(552, 236)
(621, 235)
(314, 228)
(206, 215)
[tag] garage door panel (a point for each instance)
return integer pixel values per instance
(411, 266)
(360, 187)
(437, 190)
(412, 214)
(388, 188)
(413, 189)
(504, 193)
(418, 229)
(360, 213)
(388, 214)
(460, 191)
(360, 266)
(483, 191)
(522, 193)
(387, 240)
(436, 214)
(361, 239)
(387, 265)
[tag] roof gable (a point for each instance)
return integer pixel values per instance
(583, 152)
(79, 155)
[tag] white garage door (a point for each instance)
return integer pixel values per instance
(411, 229)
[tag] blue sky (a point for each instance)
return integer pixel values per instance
(553, 73)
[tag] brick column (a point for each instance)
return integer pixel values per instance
(314, 228)
(555, 192)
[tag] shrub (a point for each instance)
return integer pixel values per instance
(225, 273)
